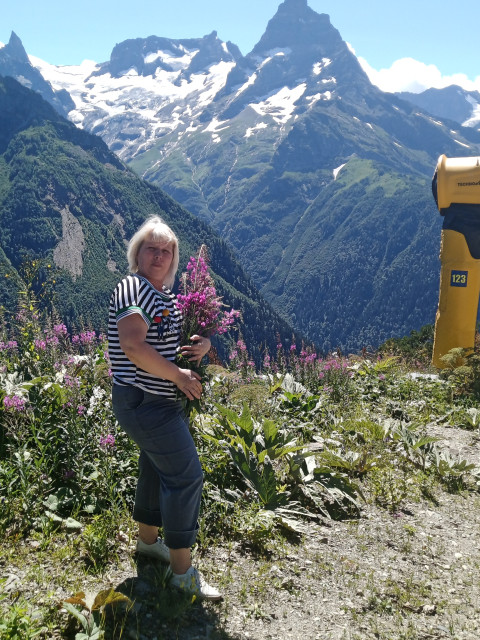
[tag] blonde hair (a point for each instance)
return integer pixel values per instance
(154, 228)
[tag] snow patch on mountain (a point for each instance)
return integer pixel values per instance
(474, 120)
(169, 58)
(327, 95)
(462, 144)
(268, 55)
(318, 67)
(251, 81)
(251, 130)
(281, 105)
(337, 170)
(216, 125)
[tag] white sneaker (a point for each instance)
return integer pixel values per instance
(193, 582)
(158, 550)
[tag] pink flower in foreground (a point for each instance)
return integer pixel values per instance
(11, 344)
(60, 330)
(107, 442)
(14, 403)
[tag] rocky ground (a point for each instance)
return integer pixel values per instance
(410, 575)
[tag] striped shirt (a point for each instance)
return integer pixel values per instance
(134, 294)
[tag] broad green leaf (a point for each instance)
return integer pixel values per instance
(76, 614)
(108, 596)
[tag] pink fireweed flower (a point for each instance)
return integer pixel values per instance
(85, 337)
(199, 303)
(14, 403)
(41, 345)
(107, 442)
(241, 345)
(11, 345)
(71, 381)
(60, 330)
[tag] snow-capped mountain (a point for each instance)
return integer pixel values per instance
(150, 88)
(158, 88)
(67, 199)
(319, 180)
(451, 102)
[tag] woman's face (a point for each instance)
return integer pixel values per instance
(154, 260)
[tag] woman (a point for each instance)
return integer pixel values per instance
(143, 336)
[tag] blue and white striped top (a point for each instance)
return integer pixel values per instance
(134, 294)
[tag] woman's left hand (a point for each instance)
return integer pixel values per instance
(200, 346)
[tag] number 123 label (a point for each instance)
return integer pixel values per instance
(459, 278)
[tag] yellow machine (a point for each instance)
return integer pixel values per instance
(456, 188)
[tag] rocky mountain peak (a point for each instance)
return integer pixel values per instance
(299, 51)
(147, 55)
(212, 51)
(14, 50)
(14, 62)
(296, 25)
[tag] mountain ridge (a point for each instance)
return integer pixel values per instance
(267, 146)
(453, 103)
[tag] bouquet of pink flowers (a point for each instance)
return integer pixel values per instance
(202, 309)
(199, 303)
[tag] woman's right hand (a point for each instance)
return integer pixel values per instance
(190, 383)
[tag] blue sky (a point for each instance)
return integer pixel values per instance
(442, 40)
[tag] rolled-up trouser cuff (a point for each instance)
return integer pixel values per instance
(179, 539)
(173, 539)
(145, 516)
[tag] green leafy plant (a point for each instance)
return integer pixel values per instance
(390, 487)
(99, 539)
(462, 369)
(16, 623)
(90, 612)
(452, 471)
(252, 447)
(418, 448)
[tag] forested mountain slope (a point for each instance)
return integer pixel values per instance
(65, 197)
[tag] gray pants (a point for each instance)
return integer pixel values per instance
(170, 479)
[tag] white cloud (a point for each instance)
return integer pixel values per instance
(411, 75)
